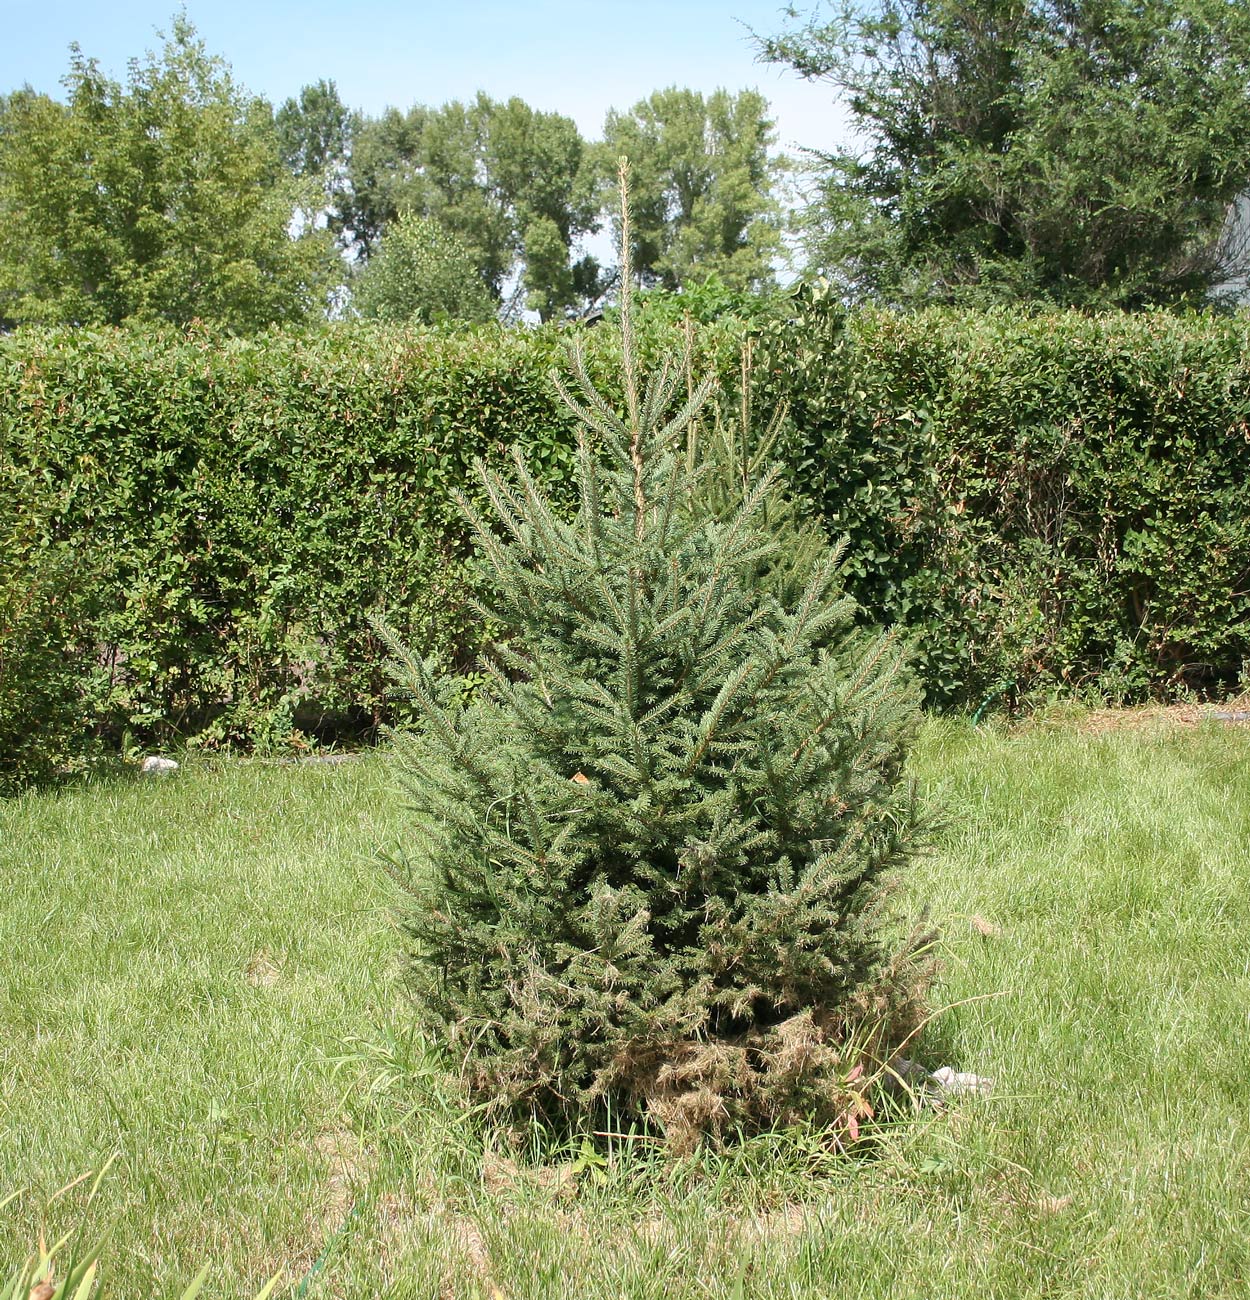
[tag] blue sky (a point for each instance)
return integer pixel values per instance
(576, 58)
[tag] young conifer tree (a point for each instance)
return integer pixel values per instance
(730, 454)
(649, 858)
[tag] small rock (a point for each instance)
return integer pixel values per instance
(956, 1084)
(153, 766)
(925, 1089)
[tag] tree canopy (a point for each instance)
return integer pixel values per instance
(544, 176)
(517, 186)
(521, 188)
(315, 131)
(176, 195)
(1083, 152)
(161, 199)
(701, 177)
(423, 274)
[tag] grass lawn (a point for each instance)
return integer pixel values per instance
(199, 986)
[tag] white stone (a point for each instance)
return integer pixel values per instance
(153, 766)
(956, 1084)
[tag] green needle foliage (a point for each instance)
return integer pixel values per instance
(648, 860)
(732, 455)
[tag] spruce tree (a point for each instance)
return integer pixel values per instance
(730, 452)
(649, 859)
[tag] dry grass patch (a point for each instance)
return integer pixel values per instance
(1141, 718)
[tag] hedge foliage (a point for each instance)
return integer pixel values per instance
(1052, 501)
(245, 507)
(47, 658)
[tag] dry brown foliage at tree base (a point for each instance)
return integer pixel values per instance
(815, 1067)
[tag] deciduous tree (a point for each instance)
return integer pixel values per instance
(1079, 151)
(163, 199)
(315, 131)
(702, 180)
(421, 273)
(544, 175)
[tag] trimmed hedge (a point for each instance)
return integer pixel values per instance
(246, 506)
(1052, 502)
(46, 661)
